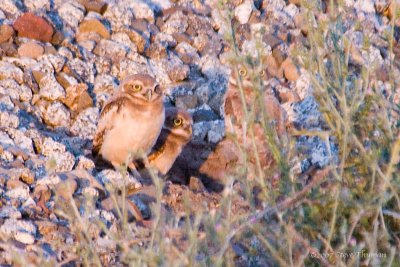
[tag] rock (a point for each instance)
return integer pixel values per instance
(177, 71)
(85, 124)
(96, 6)
(31, 26)
(196, 185)
(117, 180)
(17, 190)
(10, 71)
(49, 87)
(82, 70)
(204, 113)
(66, 188)
(77, 97)
(141, 10)
(138, 39)
(243, 11)
(111, 49)
(8, 119)
(60, 162)
(33, 5)
(290, 70)
(48, 146)
(6, 32)
(72, 13)
(96, 26)
(22, 231)
(176, 23)
(209, 131)
(119, 16)
(56, 114)
(14, 90)
(30, 49)
(10, 212)
(85, 163)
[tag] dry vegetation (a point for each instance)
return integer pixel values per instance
(346, 214)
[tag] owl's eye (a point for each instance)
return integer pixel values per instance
(242, 72)
(178, 122)
(136, 87)
(157, 89)
(262, 72)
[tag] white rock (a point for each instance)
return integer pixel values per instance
(10, 7)
(85, 124)
(14, 90)
(48, 146)
(85, 163)
(24, 237)
(57, 61)
(22, 231)
(119, 16)
(33, 5)
(64, 162)
(141, 10)
(10, 212)
(72, 13)
(8, 70)
(21, 192)
(366, 6)
(49, 180)
(8, 119)
(57, 114)
(50, 89)
(117, 180)
(243, 11)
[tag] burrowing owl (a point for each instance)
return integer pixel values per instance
(131, 121)
(248, 95)
(176, 133)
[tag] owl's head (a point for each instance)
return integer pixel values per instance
(142, 86)
(178, 122)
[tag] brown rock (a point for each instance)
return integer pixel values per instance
(94, 26)
(156, 51)
(300, 21)
(196, 185)
(58, 38)
(289, 96)
(271, 40)
(273, 67)
(66, 188)
(38, 75)
(49, 49)
(18, 152)
(96, 6)
(278, 55)
(46, 227)
(137, 39)
(182, 37)
(73, 96)
(84, 101)
(6, 31)
(9, 49)
(27, 176)
(12, 184)
(31, 26)
(290, 70)
(30, 49)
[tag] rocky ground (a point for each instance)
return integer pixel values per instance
(61, 60)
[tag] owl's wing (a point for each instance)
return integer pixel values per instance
(107, 116)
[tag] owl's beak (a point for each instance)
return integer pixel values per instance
(149, 95)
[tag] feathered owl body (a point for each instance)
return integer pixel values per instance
(176, 133)
(130, 122)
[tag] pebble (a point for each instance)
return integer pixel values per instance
(96, 26)
(30, 49)
(6, 32)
